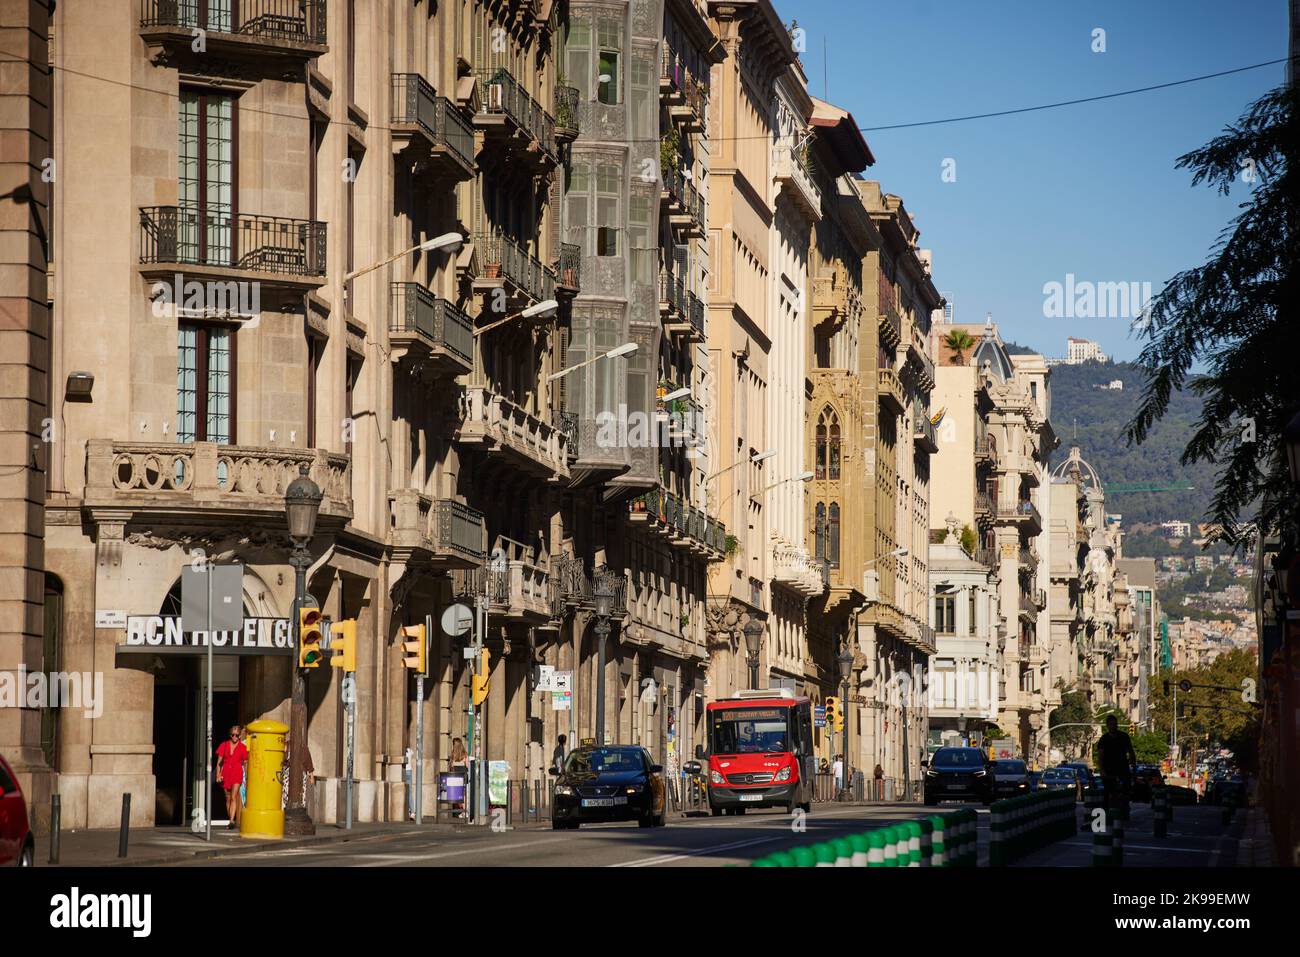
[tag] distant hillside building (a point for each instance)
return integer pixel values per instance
(1176, 529)
(1081, 350)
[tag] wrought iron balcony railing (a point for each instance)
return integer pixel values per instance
(198, 237)
(437, 322)
(416, 104)
(294, 21)
(501, 256)
(566, 112)
(569, 273)
(502, 94)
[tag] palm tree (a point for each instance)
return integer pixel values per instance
(958, 341)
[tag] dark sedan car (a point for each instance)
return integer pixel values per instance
(610, 783)
(1148, 776)
(1061, 779)
(1010, 778)
(958, 774)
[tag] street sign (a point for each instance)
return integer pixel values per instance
(546, 677)
(457, 620)
(819, 717)
(561, 700)
(349, 689)
(225, 585)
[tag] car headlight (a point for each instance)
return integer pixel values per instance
(563, 789)
(931, 774)
(980, 774)
(1024, 784)
(715, 777)
(784, 773)
(634, 789)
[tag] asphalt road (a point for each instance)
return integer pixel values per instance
(1196, 839)
(696, 841)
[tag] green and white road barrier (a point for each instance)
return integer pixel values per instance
(1021, 825)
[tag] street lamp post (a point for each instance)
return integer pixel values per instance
(604, 595)
(845, 661)
(301, 504)
(753, 642)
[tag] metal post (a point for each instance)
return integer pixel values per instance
(907, 754)
(845, 788)
(753, 673)
(207, 780)
(419, 729)
(125, 829)
(602, 633)
(56, 817)
(480, 768)
(351, 704)
(296, 820)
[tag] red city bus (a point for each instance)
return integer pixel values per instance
(760, 752)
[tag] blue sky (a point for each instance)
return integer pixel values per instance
(1088, 189)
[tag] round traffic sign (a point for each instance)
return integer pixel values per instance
(457, 620)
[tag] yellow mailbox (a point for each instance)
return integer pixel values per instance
(263, 815)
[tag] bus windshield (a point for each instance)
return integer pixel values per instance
(747, 730)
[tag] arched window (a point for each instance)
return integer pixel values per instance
(819, 532)
(828, 445)
(820, 467)
(833, 535)
(835, 450)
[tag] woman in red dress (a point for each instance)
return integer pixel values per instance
(231, 758)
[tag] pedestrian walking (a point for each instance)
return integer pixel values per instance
(559, 754)
(232, 759)
(458, 763)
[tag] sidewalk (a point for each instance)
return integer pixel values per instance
(1255, 845)
(170, 845)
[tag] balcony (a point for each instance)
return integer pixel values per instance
(1025, 512)
(430, 129)
(431, 328)
(1040, 598)
(664, 513)
(891, 326)
(505, 264)
(441, 531)
(567, 127)
(923, 363)
(794, 569)
(984, 450)
(924, 434)
(891, 391)
(983, 507)
(1028, 609)
(684, 204)
(683, 94)
(568, 274)
(571, 587)
(685, 417)
(506, 431)
(514, 125)
(1029, 559)
(792, 175)
(274, 37)
(285, 255)
(209, 482)
(672, 301)
(517, 590)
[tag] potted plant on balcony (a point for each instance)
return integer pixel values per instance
(730, 544)
(670, 152)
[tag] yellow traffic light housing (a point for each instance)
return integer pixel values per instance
(309, 637)
(480, 684)
(415, 648)
(834, 713)
(343, 645)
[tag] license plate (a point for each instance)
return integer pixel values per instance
(603, 802)
(751, 797)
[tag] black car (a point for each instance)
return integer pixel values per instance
(1087, 780)
(1148, 777)
(609, 783)
(959, 774)
(1010, 778)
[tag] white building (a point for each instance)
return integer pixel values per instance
(1082, 350)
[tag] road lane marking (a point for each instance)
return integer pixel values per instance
(1142, 847)
(665, 858)
(476, 849)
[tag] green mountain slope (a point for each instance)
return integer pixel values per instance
(1093, 418)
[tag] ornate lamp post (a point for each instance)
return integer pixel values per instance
(845, 661)
(604, 595)
(753, 643)
(301, 504)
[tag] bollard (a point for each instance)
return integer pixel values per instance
(861, 849)
(804, 857)
(782, 859)
(1118, 843)
(825, 854)
(997, 813)
(1159, 800)
(56, 817)
(125, 829)
(891, 847)
(938, 849)
(903, 845)
(927, 841)
(1102, 849)
(876, 848)
(913, 843)
(843, 852)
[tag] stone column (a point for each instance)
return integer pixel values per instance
(25, 102)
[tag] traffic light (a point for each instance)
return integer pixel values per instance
(343, 640)
(1182, 709)
(1166, 687)
(415, 648)
(481, 678)
(834, 714)
(309, 638)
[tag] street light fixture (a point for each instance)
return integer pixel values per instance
(679, 394)
(753, 643)
(626, 349)
(538, 310)
(801, 477)
(301, 506)
(845, 661)
(603, 592)
(449, 243)
(752, 460)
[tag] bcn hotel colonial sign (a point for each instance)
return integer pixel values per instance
(162, 635)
